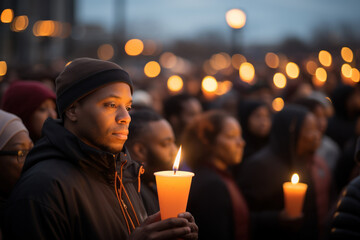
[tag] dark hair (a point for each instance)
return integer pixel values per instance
(309, 103)
(174, 105)
(139, 122)
(200, 135)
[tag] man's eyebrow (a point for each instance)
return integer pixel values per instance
(117, 97)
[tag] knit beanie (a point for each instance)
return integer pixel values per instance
(22, 98)
(10, 125)
(83, 76)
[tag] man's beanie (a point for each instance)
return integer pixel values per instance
(22, 98)
(10, 125)
(83, 76)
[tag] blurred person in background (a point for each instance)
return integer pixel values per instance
(180, 110)
(212, 143)
(294, 139)
(151, 142)
(33, 102)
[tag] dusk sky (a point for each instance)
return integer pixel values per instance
(268, 21)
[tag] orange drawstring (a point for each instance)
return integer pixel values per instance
(141, 171)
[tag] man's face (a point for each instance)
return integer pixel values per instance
(191, 109)
(160, 146)
(102, 118)
(310, 137)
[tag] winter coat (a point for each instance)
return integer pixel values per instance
(67, 191)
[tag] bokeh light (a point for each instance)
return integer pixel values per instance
(355, 75)
(321, 74)
(346, 70)
(3, 68)
(105, 52)
(311, 67)
(223, 87)
(175, 83)
(247, 72)
(168, 60)
(279, 80)
(220, 61)
(7, 15)
(325, 58)
(209, 84)
(278, 104)
(237, 59)
(20, 23)
(272, 60)
(235, 18)
(292, 70)
(347, 54)
(134, 47)
(152, 69)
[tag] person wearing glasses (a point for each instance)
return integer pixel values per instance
(79, 181)
(15, 144)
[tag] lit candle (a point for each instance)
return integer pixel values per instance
(294, 194)
(173, 189)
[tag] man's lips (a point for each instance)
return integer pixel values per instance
(121, 135)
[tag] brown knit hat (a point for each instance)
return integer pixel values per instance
(83, 76)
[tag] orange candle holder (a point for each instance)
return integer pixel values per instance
(294, 195)
(173, 191)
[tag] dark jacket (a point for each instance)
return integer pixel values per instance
(211, 204)
(66, 191)
(262, 176)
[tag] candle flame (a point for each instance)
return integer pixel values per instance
(177, 161)
(295, 178)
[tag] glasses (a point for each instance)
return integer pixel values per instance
(20, 154)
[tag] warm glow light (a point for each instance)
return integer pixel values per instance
(177, 160)
(3, 68)
(346, 70)
(247, 72)
(279, 80)
(223, 87)
(278, 104)
(20, 23)
(47, 28)
(105, 52)
(7, 15)
(295, 178)
(235, 18)
(209, 84)
(220, 61)
(292, 70)
(149, 47)
(321, 74)
(272, 60)
(355, 75)
(347, 54)
(168, 60)
(134, 47)
(311, 67)
(207, 68)
(152, 69)
(237, 59)
(175, 83)
(325, 58)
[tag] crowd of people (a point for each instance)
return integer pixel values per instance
(78, 160)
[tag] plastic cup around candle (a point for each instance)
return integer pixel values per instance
(173, 192)
(294, 195)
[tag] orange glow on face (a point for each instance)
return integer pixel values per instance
(346, 70)
(347, 54)
(105, 52)
(134, 47)
(7, 15)
(175, 83)
(325, 58)
(3, 68)
(278, 104)
(247, 72)
(209, 84)
(235, 18)
(272, 60)
(279, 80)
(20, 23)
(292, 70)
(237, 60)
(152, 69)
(311, 67)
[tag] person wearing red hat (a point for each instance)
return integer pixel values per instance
(33, 102)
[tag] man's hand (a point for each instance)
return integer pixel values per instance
(153, 228)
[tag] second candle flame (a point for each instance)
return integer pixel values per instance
(177, 161)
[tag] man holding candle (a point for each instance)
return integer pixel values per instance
(79, 182)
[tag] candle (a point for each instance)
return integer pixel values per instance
(294, 194)
(173, 189)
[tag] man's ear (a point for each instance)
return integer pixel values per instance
(139, 152)
(70, 113)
